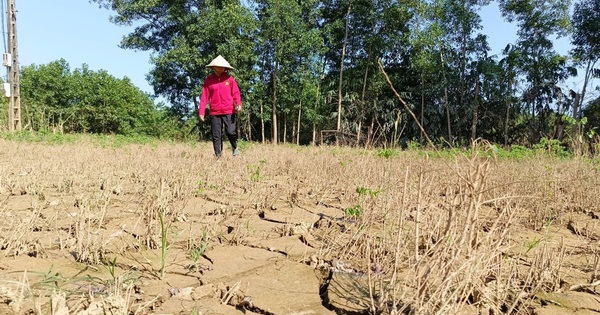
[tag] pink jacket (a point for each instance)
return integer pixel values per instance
(222, 93)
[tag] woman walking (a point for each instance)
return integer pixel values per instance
(221, 92)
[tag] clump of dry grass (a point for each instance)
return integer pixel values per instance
(446, 239)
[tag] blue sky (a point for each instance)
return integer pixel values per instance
(80, 32)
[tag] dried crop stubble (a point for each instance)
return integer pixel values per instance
(425, 235)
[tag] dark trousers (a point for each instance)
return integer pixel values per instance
(216, 124)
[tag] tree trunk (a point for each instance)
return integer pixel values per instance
(299, 120)
(284, 127)
(370, 133)
(422, 107)
(339, 118)
(314, 136)
(463, 56)
(508, 104)
(475, 113)
(446, 101)
(249, 127)
(274, 121)
(396, 123)
(262, 122)
(362, 101)
(588, 74)
(576, 104)
(580, 96)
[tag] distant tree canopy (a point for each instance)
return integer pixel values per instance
(309, 68)
(82, 100)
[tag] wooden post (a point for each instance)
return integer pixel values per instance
(14, 107)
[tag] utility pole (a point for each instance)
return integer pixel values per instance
(11, 61)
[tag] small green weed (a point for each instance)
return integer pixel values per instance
(386, 153)
(201, 188)
(50, 279)
(413, 146)
(533, 243)
(344, 163)
(255, 170)
(110, 267)
(198, 250)
(355, 211)
(243, 145)
(367, 192)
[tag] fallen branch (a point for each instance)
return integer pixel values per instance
(404, 103)
(579, 287)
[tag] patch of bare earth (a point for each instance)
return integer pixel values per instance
(169, 229)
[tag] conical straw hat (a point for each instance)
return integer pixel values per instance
(220, 62)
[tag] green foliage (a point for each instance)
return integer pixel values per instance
(255, 170)
(355, 211)
(386, 153)
(519, 151)
(586, 32)
(41, 137)
(413, 146)
(533, 243)
(118, 141)
(514, 152)
(296, 61)
(110, 267)
(3, 112)
(345, 162)
(367, 192)
(49, 279)
(592, 112)
(201, 188)
(105, 141)
(552, 147)
(243, 144)
(197, 250)
(449, 153)
(184, 36)
(56, 99)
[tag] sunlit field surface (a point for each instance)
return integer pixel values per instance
(100, 227)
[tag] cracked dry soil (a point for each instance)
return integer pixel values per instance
(167, 229)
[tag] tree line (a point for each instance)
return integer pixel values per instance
(313, 71)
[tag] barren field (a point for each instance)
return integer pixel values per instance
(162, 228)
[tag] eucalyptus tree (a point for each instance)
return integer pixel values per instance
(183, 36)
(463, 50)
(508, 82)
(426, 40)
(543, 68)
(358, 33)
(288, 48)
(477, 80)
(381, 29)
(586, 44)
